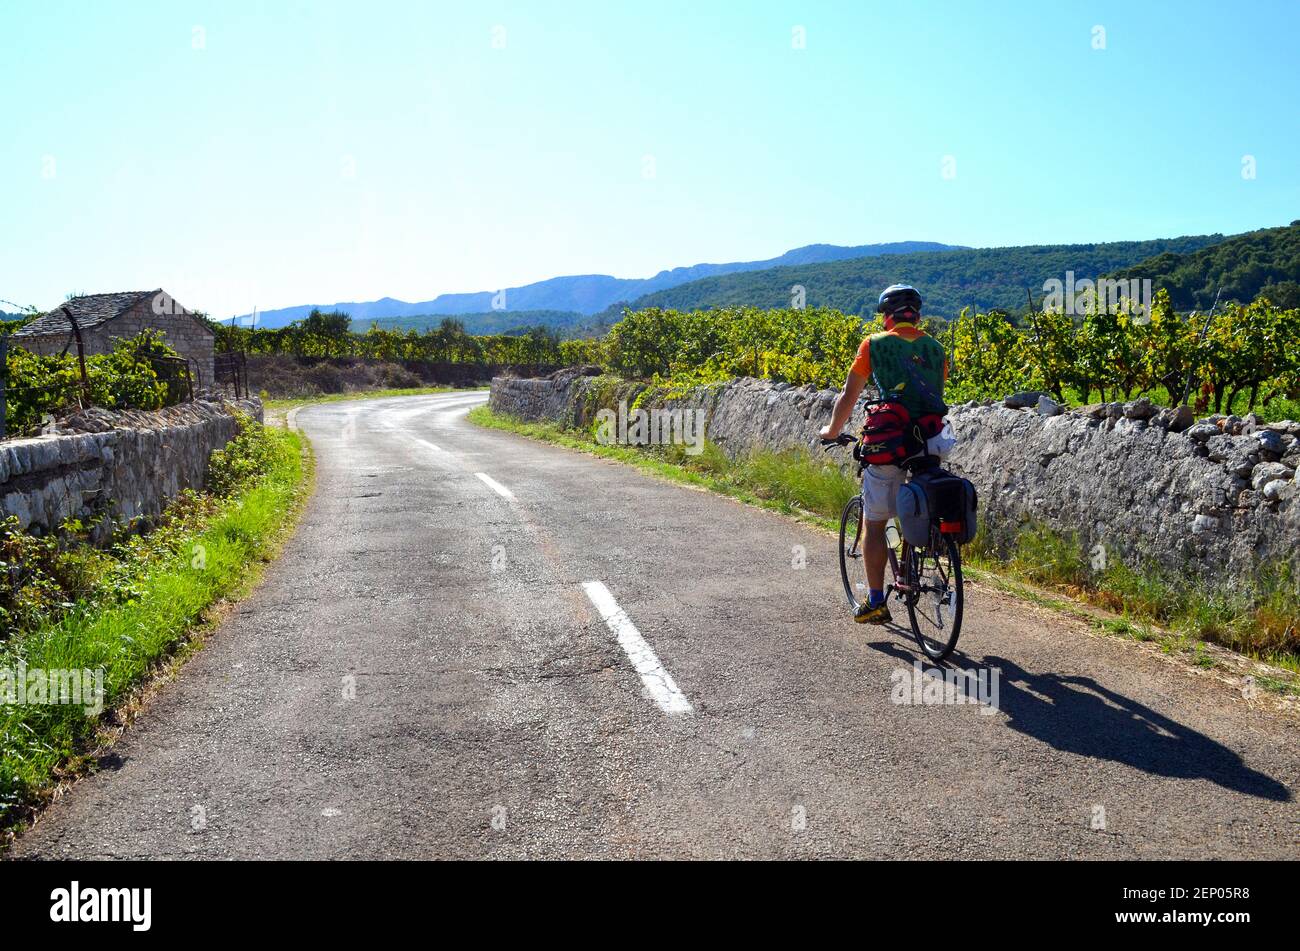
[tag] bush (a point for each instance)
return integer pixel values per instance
(392, 377)
(127, 378)
(149, 348)
(325, 378)
(245, 459)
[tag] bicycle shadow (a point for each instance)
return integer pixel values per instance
(1078, 715)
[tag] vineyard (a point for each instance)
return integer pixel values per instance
(1240, 358)
(330, 335)
(140, 373)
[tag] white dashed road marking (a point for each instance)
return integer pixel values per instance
(495, 486)
(658, 682)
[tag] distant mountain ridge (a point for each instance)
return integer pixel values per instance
(588, 293)
(564, 322)
(982, 278)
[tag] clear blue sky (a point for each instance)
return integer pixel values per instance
(314, 152)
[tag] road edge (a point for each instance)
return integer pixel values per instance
(1093, 621)
(117, 720)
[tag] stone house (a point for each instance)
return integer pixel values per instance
(104, 318)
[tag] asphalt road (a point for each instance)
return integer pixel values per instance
(428, 672)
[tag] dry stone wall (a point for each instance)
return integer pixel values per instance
(127, 464)
(1214, 498)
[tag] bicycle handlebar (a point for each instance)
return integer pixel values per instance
(843, 439)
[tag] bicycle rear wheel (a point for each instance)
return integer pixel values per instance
(852, 570)
(934, 605)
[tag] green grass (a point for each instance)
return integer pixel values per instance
(1279, 408)
(1259, 619)
(127, 641)
(1147, 606)
(291, 403)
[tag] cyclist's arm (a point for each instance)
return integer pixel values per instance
(844, 404)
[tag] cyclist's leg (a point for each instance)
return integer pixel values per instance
(879, 504)
(874, 553)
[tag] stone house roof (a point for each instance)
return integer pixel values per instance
(90, 311)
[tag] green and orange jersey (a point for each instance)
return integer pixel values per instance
(884, 359)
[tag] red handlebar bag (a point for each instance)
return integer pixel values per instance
(886, 435)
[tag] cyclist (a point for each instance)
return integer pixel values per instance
(907, 366)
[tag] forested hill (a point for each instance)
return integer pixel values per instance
(1244, 266)
(982, 278)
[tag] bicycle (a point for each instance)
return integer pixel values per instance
(927, 580)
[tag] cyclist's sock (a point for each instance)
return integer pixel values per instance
(876, 598)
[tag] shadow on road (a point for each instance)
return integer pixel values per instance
(1078, 715)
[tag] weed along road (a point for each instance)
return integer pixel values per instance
(477, 645)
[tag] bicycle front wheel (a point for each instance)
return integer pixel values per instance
(852, 570)
(934, 605)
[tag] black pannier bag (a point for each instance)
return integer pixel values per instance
(937, 497)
